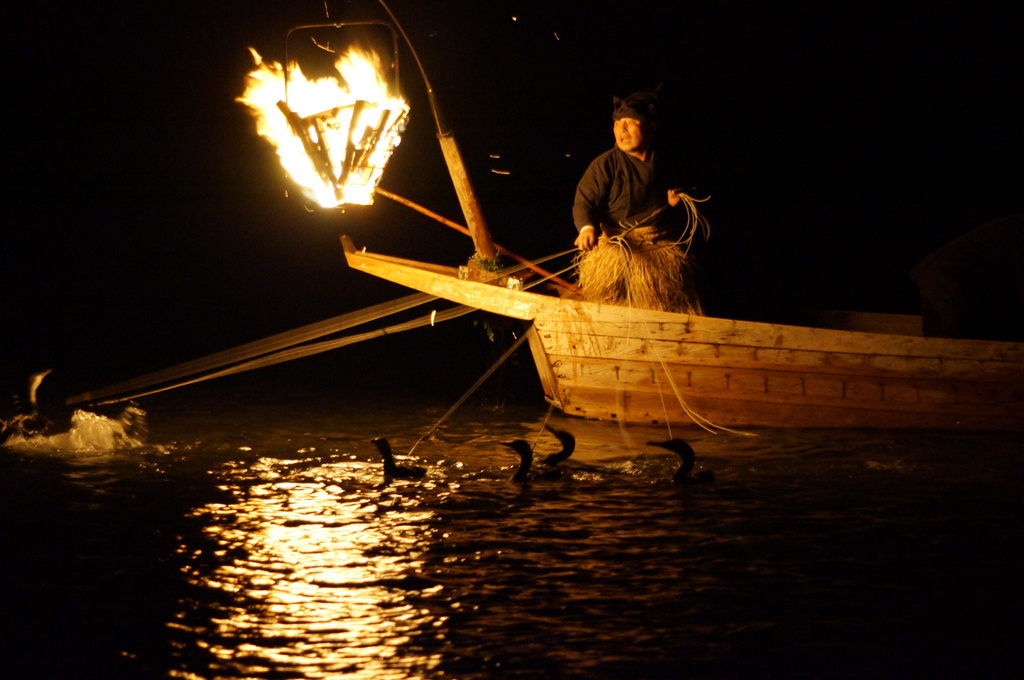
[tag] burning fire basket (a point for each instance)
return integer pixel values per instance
(340, 120)
(348, 145)
(341, 115)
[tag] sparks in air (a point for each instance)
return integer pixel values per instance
(333, 134)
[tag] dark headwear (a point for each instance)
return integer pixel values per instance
(640, 105)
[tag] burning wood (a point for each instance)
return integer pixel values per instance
(334, 134)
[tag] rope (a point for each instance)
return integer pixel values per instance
(543, 424)
(697, 418)
(694, 221)
(500, 248)
(487, 374)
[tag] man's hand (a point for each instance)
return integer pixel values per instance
(674, 197)
(587, 240)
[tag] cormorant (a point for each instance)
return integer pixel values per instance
(32, 422)
(524, 473)
(688, 457)
(393, 470)
(568, 446)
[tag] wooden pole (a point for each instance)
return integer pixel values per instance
(458, 227)
(467, 197)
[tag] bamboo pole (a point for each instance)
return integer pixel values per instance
(292, 353)
(258, 347)
(485, 248)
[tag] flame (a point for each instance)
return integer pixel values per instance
(335, 134)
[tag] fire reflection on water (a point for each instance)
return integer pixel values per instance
(308, 576)
(261, 551)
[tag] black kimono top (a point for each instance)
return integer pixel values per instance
(618, 189)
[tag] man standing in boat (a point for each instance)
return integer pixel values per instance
(634, 220)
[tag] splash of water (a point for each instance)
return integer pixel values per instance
(89, 433)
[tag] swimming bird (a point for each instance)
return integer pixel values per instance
(31, 422)
(689, 458)
(524, 473)
(393, 470)
(34, 381)
(568, 446)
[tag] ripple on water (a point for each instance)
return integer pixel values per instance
(285, 553)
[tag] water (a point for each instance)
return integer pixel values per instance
(248, 534)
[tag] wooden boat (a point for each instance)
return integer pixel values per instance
(646, 367)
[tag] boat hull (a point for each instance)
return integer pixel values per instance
(637, 366)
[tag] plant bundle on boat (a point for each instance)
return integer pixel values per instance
(642, 267)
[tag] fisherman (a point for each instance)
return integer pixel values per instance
(634, 220)
(973, 286)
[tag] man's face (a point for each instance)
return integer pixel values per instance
(631, 135)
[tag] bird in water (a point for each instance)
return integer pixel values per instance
(32, 422)
(568, 446)
(393, 470)
(525, 473)
(689, 458)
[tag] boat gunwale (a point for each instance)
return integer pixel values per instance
(548, 309)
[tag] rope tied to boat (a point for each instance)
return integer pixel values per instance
(480, 381)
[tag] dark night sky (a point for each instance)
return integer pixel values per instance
(840, 142)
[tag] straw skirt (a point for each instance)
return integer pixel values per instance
(637, 270)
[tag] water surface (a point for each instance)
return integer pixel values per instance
(229, 535)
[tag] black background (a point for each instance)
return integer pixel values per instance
(148, 224)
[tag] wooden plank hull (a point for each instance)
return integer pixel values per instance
(614, 363)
